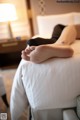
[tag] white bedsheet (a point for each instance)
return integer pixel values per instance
(54, 83)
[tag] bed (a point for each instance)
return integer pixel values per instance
(51, 86)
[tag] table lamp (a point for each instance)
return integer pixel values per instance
(8, 14)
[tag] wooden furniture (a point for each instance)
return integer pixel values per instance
(10, 51)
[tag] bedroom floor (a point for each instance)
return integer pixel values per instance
(8, 75)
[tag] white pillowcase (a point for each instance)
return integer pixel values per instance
(47, 23)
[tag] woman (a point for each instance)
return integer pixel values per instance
(41, 49)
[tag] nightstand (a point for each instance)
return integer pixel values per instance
(10, 51)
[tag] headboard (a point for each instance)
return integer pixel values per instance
(48, 7)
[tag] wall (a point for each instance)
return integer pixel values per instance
(21, 26)
(44, 7)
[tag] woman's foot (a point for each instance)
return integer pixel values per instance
(44, 52)
(26, 52)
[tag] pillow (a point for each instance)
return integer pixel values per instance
(47, 23)
(76, 17)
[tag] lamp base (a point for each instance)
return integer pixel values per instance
(10, 30)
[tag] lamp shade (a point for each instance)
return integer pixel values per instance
(7, 12)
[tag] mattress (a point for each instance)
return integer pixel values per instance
(54, 83)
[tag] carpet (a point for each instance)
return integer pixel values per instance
(8, 76)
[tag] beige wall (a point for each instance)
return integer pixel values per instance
(56, 8)
(52, 7)
(21, 26)
(20, 7)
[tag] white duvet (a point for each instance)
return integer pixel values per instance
(54, 83)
